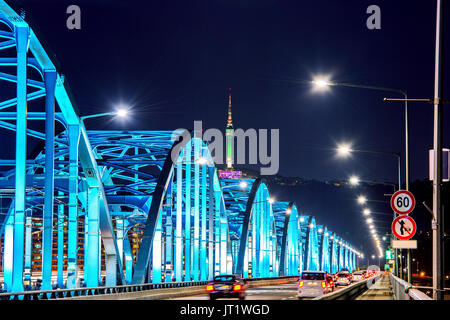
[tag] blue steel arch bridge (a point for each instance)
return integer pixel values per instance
(122, 207)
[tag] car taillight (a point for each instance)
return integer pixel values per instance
(209, 288)
(237, 287)
(324, 284)
(300, 284)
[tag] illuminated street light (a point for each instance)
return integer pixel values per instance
(122, 113)
(288, 211)
(302, 219)
(366, 211)
(370, 220)
(243, 184)
(271, 200)
(201, 160)
(322, 83)
(344, 150)
(354, 180)
(362, 200)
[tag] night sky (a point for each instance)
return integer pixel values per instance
(173, 62)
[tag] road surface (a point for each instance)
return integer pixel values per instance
(278, 292)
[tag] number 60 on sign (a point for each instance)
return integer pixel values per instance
(403, 202)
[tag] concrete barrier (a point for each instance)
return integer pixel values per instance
(350, 292)
(160, 294)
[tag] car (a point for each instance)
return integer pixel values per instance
(226, 286)
(344, 278)
(312, 284)
(330, 281)
(358, 276)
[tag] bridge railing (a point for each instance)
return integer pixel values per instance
(403, 290)
(92, 291)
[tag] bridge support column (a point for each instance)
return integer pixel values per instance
(179, 222)
(8, 243)
(60, 228)
(47, 234)
(21, 34)
(72, 228)
(28, 244)
(92, 254)
(217, 233)
(211, 172)
(111, 269)
(203, 257)
(187, 226)
(156, 251)
(128, 259)
(169, 242)
(196, 209)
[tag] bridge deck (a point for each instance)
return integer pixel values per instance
(381, 290)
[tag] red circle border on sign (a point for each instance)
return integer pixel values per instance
(413, 231)
(412, 198)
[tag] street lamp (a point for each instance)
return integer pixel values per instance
(362, 200)
(243, 184)
(366, 212)
(354, 180)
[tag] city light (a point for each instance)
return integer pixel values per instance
(370, 220)
(366, 211)
(271, 200)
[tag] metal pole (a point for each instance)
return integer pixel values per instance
(408, 251)
(437, 142)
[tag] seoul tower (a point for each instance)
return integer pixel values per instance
(229, 133)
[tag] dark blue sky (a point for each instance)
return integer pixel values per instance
(175, 60)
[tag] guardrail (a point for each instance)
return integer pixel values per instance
(92, 291)
(350, 292)
(403, 290)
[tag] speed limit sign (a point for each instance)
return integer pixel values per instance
(403, 202)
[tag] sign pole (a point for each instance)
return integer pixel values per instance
(437, 144)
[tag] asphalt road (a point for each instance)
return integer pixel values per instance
(278, 292)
